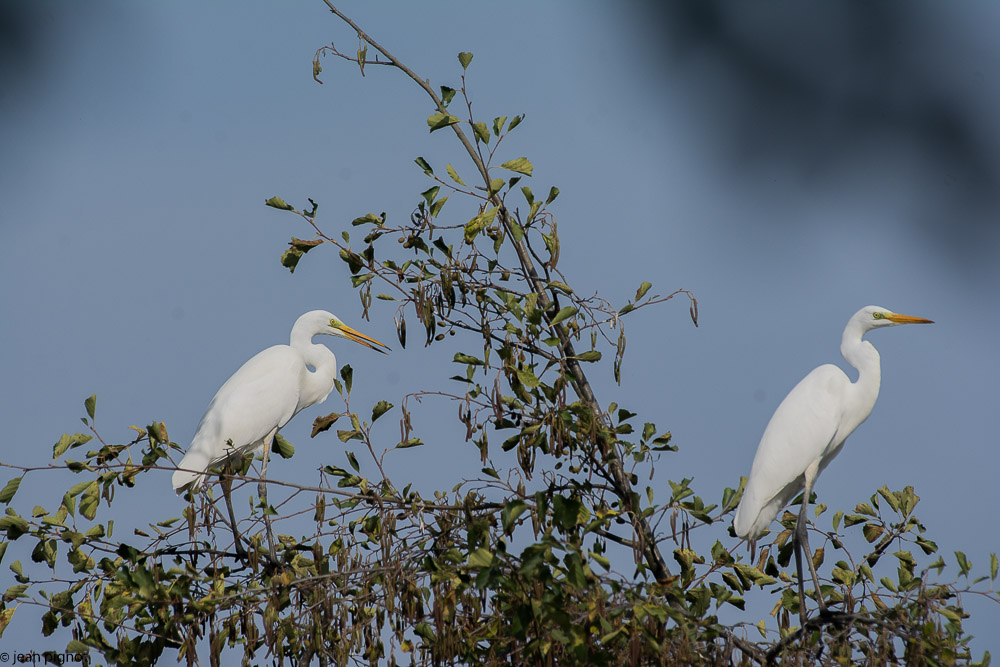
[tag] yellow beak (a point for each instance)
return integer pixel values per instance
(906, 319)
(359, 337)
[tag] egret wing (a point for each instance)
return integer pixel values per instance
(259, 398)
(802, 430)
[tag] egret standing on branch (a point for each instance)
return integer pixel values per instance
(807, 430)
(259, 399)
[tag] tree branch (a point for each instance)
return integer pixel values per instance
(581, 385)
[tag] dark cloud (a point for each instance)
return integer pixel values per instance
(821, 88)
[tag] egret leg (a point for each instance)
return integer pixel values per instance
(802, 542)
(227, 487)
(262, 492)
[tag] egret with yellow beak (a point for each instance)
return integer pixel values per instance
(260, 398)
(807, 430)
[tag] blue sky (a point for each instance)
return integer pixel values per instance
(138, 262)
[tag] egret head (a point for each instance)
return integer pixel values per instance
(875, 317)
(318, 322)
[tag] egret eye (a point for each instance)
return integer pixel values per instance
(878, 316)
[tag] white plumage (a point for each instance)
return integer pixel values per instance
(811, 424)
(264, 394)
(808, 429)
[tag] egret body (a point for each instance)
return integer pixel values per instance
(809, 428)
(262, 396)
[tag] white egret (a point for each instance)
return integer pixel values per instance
(260, 398)
(808, 429)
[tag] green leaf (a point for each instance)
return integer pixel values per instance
(157, 433)
(466, 359)
(465, 58)
(76, 466)
(77, 489)
(481, 557)
(529, 196)
(298, 247)
(842, 576)
(562, 287)
(69, 441)
(553, 193)
(641, 292)
(290, 259)
(516, 230)
(496, 185)
(890, 498)
(369, 219)
(362, 54)
(564, 313)
(454, 175)
(515, 122)
(380, 409)
(437, 206)
(447, 95)
(315, 207)
(7, 494)
(994, 567)
(45, 552)
(349, 435)
(498, 123)
(604, 562)
(963, 563)
(754, 575)
(872, 531)
(14, 592)
(423, 629)
(279, 203)
(648, 431)
(951, 614)
(347, 373)
(6, 615)
(358, 281)
(412, 442)
(511, 511)
(479, 223)
(282, 447)
(865, 508)
(91, 405)
(928, 546)
(89, 500)
(521, 165)
(423, 164)
(438, 120)
(481, 131)
(591, 355)
(430, 193)
(527, 377)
